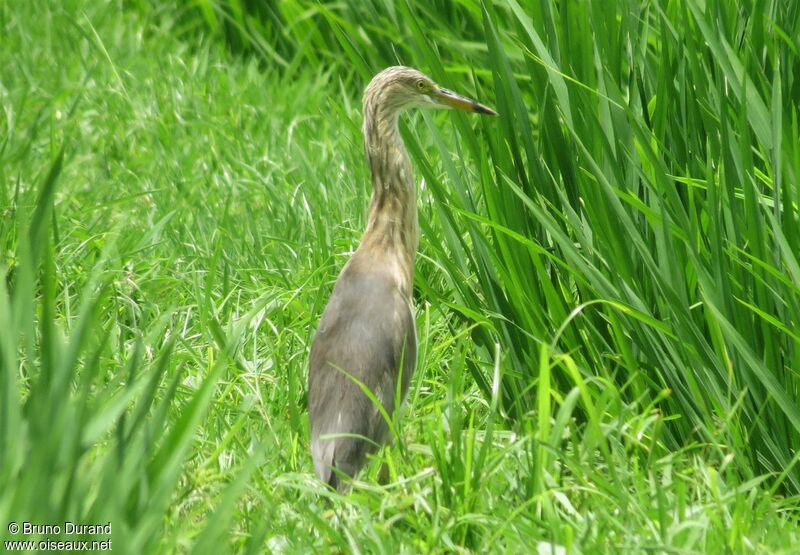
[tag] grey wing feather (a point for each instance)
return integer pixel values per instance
(367, 331)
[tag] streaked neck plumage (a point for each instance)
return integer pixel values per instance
(392, 225)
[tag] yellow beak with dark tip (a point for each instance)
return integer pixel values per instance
(450, 99)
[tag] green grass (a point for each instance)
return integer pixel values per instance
(607, 288)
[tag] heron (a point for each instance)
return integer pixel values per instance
(366, 338)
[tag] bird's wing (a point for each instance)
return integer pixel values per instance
(366, 335)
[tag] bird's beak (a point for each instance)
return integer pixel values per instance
(450, 99)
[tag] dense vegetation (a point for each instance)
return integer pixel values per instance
(608, 288)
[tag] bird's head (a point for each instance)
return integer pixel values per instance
(399, 88)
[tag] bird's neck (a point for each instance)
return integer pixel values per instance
(392, 225)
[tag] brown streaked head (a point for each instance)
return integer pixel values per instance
(400, 88)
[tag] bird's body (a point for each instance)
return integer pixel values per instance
(366, 338)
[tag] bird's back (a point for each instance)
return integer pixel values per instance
(366, 335)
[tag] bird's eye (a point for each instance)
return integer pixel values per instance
(420, 85)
